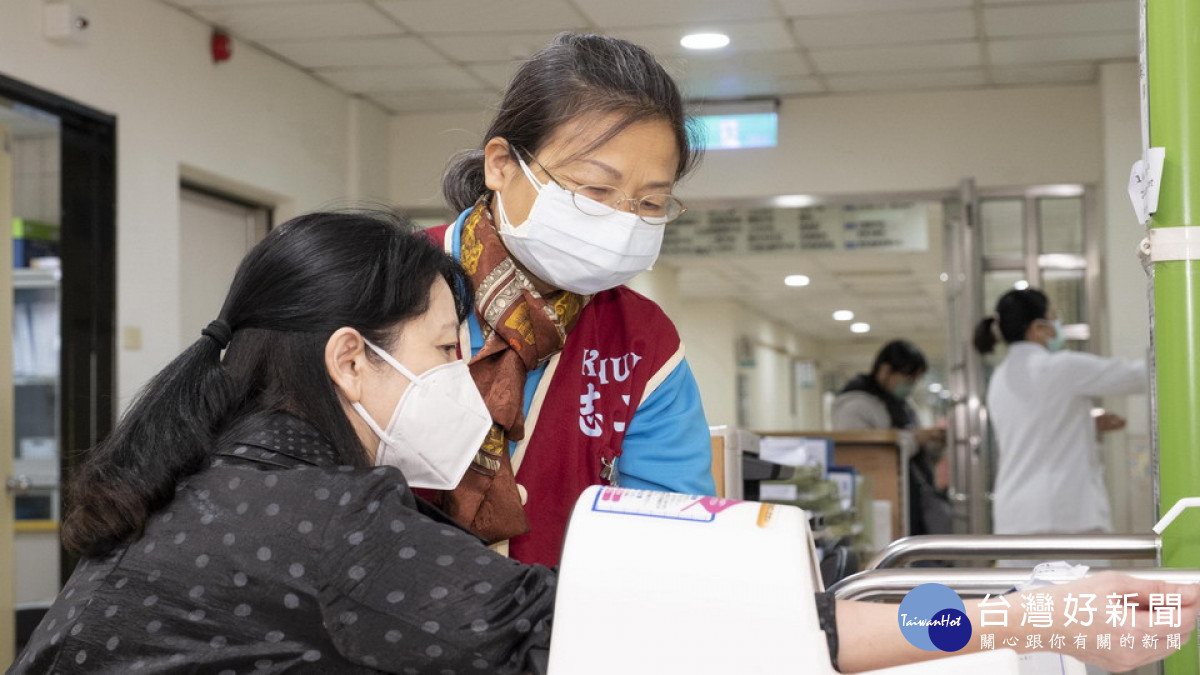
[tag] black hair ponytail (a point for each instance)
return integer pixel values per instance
(985, 335)
(123, 480)
(463, 182)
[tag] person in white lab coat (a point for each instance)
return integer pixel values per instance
(1050, 478)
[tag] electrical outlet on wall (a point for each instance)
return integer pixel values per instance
(131, 338)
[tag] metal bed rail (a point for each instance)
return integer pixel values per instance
(896, 583)
(1017, 546)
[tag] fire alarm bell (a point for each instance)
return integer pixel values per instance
(222, 46)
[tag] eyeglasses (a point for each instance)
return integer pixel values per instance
(601, 200)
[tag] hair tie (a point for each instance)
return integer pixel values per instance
(220, 332)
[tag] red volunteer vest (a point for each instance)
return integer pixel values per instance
(576, 423)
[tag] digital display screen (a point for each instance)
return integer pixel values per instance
(730, 132)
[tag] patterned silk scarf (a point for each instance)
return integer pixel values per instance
(521, 330)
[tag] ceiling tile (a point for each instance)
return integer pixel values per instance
(884, 28)
(744, 86)
(746, 36)
(1034, 20)
(496, 74)
(1059, 49)
(356, 52)
(436, 101)
(434, 78)
(482, 47)
(1074, 72)
(284, 22)
(232, 3)
(912, 57)
(792, 86)
(483, 16)
(812, 7)
(635, 13)
(778, 64)
(854, 45)
(1040, 2)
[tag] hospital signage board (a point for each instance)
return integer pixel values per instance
(889, 226)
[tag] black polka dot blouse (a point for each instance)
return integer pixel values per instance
(275, 558)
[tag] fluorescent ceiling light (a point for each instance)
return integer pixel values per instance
(843, 315)
(860, 328)
(705, 40)
(796, 280)
(1021, 285)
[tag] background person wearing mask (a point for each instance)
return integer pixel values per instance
(1049, 477)
(566, 200)
(879, 400)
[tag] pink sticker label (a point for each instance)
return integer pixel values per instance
(713, 505)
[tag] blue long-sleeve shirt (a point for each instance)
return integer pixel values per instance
(666, 444)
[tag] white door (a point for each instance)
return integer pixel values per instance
(215, 235)
(7, 504)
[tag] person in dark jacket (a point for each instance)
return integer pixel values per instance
(879, 400)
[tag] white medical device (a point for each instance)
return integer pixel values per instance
(657, 582)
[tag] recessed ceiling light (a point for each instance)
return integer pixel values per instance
(935, 388)
(793, 201)
(843, 315)
(860, 328)
(944, 277)
(705, 40)
(796, 280)
(1021, 285)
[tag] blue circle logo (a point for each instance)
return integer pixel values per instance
(933, 618)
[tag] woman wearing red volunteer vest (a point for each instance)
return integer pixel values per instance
(565, 201)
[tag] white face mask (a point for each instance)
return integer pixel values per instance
(437, 427)
(574, 251)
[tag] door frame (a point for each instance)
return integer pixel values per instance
(88, 140)
(7, 412)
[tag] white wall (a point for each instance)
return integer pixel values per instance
(916, 141)
(773, 384)
(711, 332)
(370, 156)
(253, 124)
(421, 146)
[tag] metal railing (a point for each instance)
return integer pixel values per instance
(1017, 546)
(896, 583)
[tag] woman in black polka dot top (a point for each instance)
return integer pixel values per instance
(244, 517)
